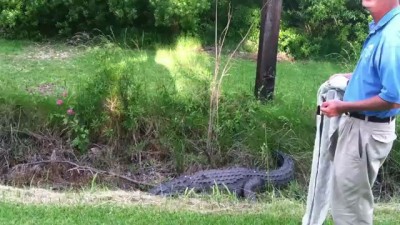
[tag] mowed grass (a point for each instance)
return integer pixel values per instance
(26, 64)
(278, 213)
(50, 214)
(99, 206)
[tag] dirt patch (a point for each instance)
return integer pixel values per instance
(46, 89)
(63, 51)
(281, 56)
(66, 174)
(49, 52)
(44, 160)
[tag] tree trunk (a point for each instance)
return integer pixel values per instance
(268, 49)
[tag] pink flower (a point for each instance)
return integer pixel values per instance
(59, 102)
(70, 112)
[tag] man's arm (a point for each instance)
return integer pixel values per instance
(389, 74)
(337, 107)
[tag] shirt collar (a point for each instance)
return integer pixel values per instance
(385, 19)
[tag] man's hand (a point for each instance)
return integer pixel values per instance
(332, 108)
(347, 75)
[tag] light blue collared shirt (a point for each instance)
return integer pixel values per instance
(378, 70)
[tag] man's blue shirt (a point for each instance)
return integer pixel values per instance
(378, 70)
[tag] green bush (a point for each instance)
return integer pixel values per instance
(23, 18)
(179, 14)
(244, 16)
(308, 28)
(315, 28)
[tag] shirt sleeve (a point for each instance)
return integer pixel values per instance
(389, 69)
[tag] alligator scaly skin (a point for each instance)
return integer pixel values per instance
(243, 182)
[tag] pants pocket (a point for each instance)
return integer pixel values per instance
(384, 137)
(381, 144)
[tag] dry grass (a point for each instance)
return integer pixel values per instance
(138, 198)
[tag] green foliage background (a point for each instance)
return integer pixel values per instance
(309, 28)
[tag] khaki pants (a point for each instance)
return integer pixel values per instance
(360, 150)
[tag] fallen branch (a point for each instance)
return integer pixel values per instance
(86, 168)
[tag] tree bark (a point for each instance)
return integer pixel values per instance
(268, 49)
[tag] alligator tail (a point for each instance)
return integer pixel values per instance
(284, 174)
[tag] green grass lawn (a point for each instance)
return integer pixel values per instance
(38, 206)
(24, 64)
(31, 214)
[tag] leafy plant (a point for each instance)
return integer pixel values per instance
(179, 14)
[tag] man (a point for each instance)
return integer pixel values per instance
(367, 125)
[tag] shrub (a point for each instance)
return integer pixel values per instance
(315, 28)
(309, 28)
(179, 14)
(37, 18)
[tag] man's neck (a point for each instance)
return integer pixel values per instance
(378, 14)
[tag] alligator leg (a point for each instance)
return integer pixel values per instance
(251, 187)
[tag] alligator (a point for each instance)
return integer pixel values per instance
(243, 182)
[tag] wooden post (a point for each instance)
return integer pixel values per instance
(268, 49)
